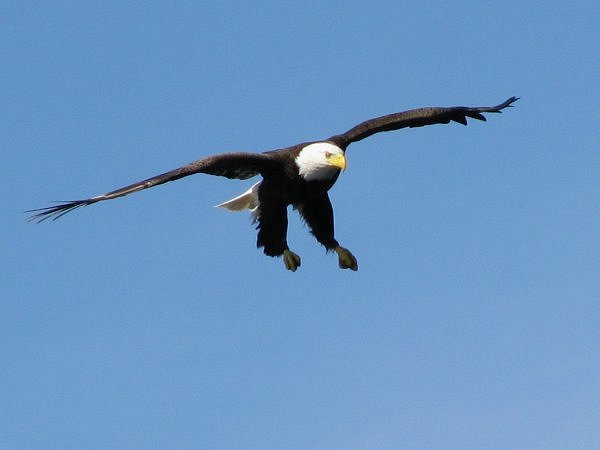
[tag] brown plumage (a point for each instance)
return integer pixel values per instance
(299, 176)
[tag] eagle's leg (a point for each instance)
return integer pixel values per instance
(318, 214)
(291, 260)
(346, 260)
(272, 220)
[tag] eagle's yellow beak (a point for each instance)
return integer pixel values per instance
(337, 160)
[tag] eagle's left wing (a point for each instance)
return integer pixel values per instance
(231, 165)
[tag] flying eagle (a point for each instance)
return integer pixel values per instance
(299, 175)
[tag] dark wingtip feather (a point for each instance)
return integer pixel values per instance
(475, 112)
(460, 119)
(507, 104)
(476, 115)
(54, 212)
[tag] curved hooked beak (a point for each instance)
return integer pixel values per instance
(337, 160)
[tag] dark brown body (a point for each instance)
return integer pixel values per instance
(285, 187)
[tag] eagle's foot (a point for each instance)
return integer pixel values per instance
(291, 260)
(346, 260)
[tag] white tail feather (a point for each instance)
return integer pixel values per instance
(247, 200)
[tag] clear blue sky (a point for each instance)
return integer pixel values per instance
(152, 321)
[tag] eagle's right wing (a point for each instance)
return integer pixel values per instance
(418, 118)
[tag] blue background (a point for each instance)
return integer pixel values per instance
(153, 322)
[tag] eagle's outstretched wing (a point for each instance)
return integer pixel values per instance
(231, 165)
(418, 118)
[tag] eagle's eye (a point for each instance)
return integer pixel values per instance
(328, 155)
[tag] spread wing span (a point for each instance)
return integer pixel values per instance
(231, 165)
(418, 118)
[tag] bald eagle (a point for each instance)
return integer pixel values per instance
(300, 175)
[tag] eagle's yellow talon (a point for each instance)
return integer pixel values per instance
(346, 260)
(291, 260)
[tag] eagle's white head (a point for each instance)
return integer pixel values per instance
(320, 161)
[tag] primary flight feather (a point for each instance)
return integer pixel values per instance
(299, 175)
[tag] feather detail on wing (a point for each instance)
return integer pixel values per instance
(418, 118)
(247, 200)
(231, 165)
